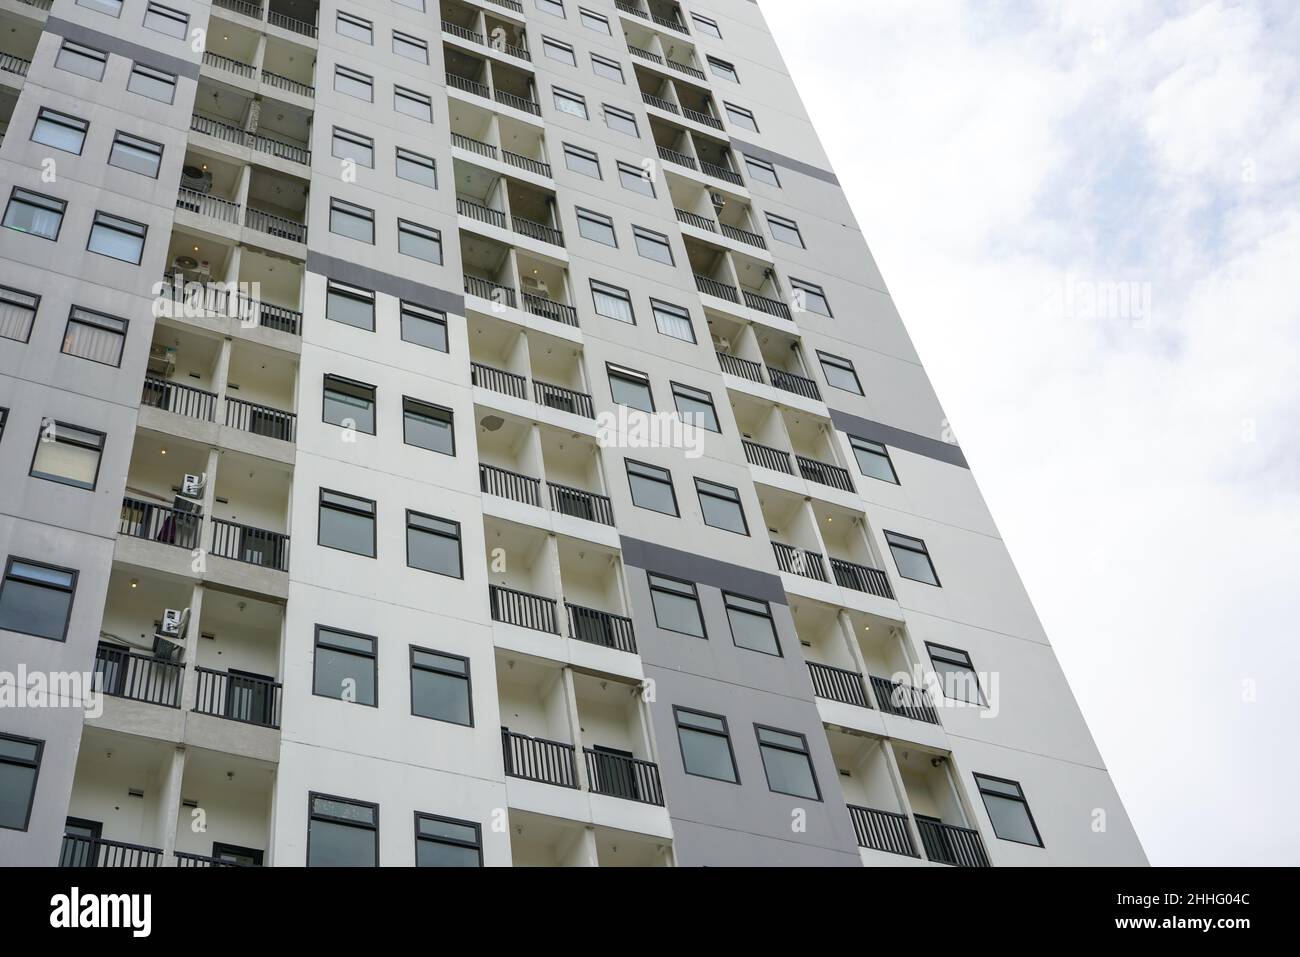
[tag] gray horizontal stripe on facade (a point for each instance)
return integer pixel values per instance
(662, 560)
(373, 279)
(778, 159)
(898, 438)
(78, 33)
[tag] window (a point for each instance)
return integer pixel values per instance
(433, 544)
(629, 387)
(652, 245)
(156, 84)
(63, 132)
(912, 558)
(419, 242)
(706, 745)
(873, 459)
(412, 104)
(117, 238)
(424, 327)
(741, 116)
(20, 764)
(672, 320)
(36, 599)
(353, 221)
(354, 83)
(1008, 810)
(417, 168)
(620, 121)
(676, 605)
(723, 69)
(346, 666)
(695, 406)
(582, 161)
(594, 21)
(428, 426)
(413, 4)
(705, 25)
(786, 230)
(446, 842)
(17, 313)
(635, 178)
(559, 51)
(751, 624)
(597, 227)
(956, 671)
(555, 7)
(34, 213)
(358, 28)
(440, 687)
(111, 7)
(350, 305)
(68, 455)
(609, 69)
(651, 487)
(413, 48)
(84, 61)
(349, 404)
(167, 21)
(809, 297)
(346, 523)
(612, 302)
(93, 335)
(761, 170)
(353, 146)
(839, 372)
(721, 506)
(342, 833)
(570, 103)
(135, 154)
(787, 763)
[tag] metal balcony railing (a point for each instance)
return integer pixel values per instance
(537, 759)
(291, 24)
(601, 628)
(238, 697)
(754, 239)
(581, 504)
(487, 289)
(951, 844)
(882, 830)
(527, 163)
(498, 380)
(906, 701)
(185, 859)
(252, 546)
(772, 307)
(659, 103)
(550, 309)
(799, 561)
(645, 54)
(458, 31)
(288, 84)
(565, 400)
(698, 221)
(719, 290)
(721, 172)
(707, 119)
(293, 152)
(504, 483)
(518, 102)
(14, 64)
(792, 382)
(838, 684)
(159, 523)
(744, 368)
(236, 67)
(176, 397)
(679, 159)
(79, 851)
(514, 5)
(484, 214)
(620, 776)
(539, 231)
(474, 146)
(281, 318)
(684, 68)
(138, 675)
(823, 473)
(670, 23)
(273, 225)
(467, 85)
(764, 456)
(204, 204)
(514, 607)
(261, 420)
(861, 578)
(246, 7)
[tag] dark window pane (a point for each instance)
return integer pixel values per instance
(340, 845)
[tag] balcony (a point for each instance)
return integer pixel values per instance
(793, 382)
(547, 369)
(514, 607)
(800, 561)
(823, 473)
(213, 277)
(238, 697)
(903, 700)
(492, 80)
(861, 578)
(539, 759)
(250, 545)
(766, 457)
(601, 628)
(952, 844)
(620, 776)
(278, 147)
(882, 830)
(742, 368)
(294, 16)
(475, 26)
(153, 678)
(838, 684)
(81, 851)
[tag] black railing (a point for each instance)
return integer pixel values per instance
(473, 145)
(261, 420)
(487, 289)
(799, 561)
(514, 5)
(631, 8)
(838, 684)
(950, 844)
(160, 523)
(279, 226)
(79, 851)
(245, 7)
(720, 172)
(537, 759)
(484, 214)
(550, 309)
(696, 220)
(882, 830)
(861, 578)
(291, 24)
(679, 159)
(581, 504)
(527, 163)
(539, 231)
(645, 54)
(619, 776)
(238, 697)
(744, 368)
(602, 628)
(684, 68)
(906, 701)
(294, 152)
(753, 239)
(791, 382)
(659, 103)
(504, 483)
(253, 546)
(237, 67)
(185, 859)
(457, 30)
(711, 287)
(566, 400)
(280, 318)
(14, 64)
(823, 473)
(518, 102)
(469, 86)
(707, 119)
(498, 380)
(514, 607)
(288, 84)
(670, 23)
(176, 397)
(138, 675)
(205, 204)
(764, 456)
(764, 304)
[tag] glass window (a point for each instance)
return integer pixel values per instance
(707, 26)
(36, 599)
(350, 305)
(635, 178)
(597, 227)
(557, 50)
(672, 320)
(424, 327)
(17, 313)
(612, 302)
(167, 21)
(347, 523)
(621, 121)
(582, 161)
(652, 245)
(555, 7)
(809, 297)
(440, 686)
(413, 48)
(342, 833)
(956, 671)
(651, 487)
(787, 763)
(135, 154)
(84, 61)
(353, 146)
(695, 407)
(706, 745)
(354, 83)
(839, 372)
(346, 666)
(68, 455)
(20, 765)
(358, 28)
(723, 69)
(786, 230)
(912, 558)
(93, 335)
(111, 7)
(1008, 810)
(63, 132)
(751, 624)
(419, 242)
(676, 605)
(721, 506)
(761, 170)
(349, 404)
(428, 426)
(594, 21)
(413, 104)
(433, 544)
(117, 238)
(445, 842)
(630, 388)
(34, 213)
(353, 221)
(417, 168)
(609, 69)
(156, 84)
(873, 459)
(570, 103)
(741, 116)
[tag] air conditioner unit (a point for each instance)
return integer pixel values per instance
(192, 485)
(173, 622)
(196, 178)
(191, 269)
(538, 286)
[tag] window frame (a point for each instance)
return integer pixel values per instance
(740, 507)
(336, 206)
(725, 734)
(355, 21)
(613, 371)
(467, 677)
(550, 43)
(312, 816)
(338, 133)
(855, 446)
(554, 3)
(811, 290)
(666, 479)
(732, 111)
(675, 386)
(166, 13)
(777, 222)
(1021, 799)
(449, 842)
(723, 69)
(34, 764)
(407, 401)
(412, 158)
(408, 95)
(357, 77)
(924, 550)
(676, 312)
(86, 53)
(626, 169)
(642, 234)
(59, 427)
(606, 291)
(73, 317)
(585, 16)
(765, 166)
(695, 596)
(727, 597)
(623, 115)
(14, 198)
(421, 313)
(591, 216)
(707, 23)
(343, 290)
(372, 655)
(7, 294)
(155, 75)
(61, 119)
(931, 647)
(579, 153)
(70, 590)
(373, 514)
(806, 752)
(427, 234)
(609, 64)
(415, 43)
(98, 222)
(843, 365)
(458, 538)
(130, 140)
(559, 94)
(357, 386)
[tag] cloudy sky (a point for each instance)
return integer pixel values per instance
(1015, 166)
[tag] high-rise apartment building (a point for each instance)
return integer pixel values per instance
(345, 351)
